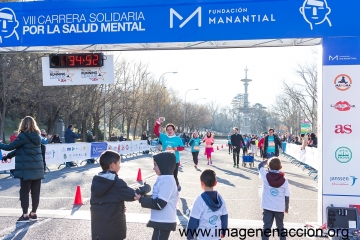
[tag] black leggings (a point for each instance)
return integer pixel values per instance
(159, 234)
(230, 148)
(176, 173)
(25, 188)
(195, 157)
(236, 153)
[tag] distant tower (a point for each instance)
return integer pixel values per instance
(246, 123)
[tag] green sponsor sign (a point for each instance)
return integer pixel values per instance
(305, 128)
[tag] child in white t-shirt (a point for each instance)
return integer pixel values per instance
(275, 196)
(164, 197)
(209, 212)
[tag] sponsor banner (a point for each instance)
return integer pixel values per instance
(340, 152)
(308, 156)
(305, 128)
(9, 164)
(125, 147)
(144, 146)
(97, 148)
(78, 76)
(57, 23)
(115, 146)
(73, 152)
(52, 153)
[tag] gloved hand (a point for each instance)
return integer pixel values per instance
(4, 158)
(143, 189)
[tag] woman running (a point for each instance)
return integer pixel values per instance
(209, 141)
(195, 147)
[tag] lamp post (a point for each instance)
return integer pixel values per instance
(158, 95)
(104, 112)
(185, 105)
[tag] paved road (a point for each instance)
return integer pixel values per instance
(59, 219)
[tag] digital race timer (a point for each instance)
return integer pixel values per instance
(76, 60)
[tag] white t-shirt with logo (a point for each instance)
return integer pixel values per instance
(165, 188)
(208, 219)
(273, 199)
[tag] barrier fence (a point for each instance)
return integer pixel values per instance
(74, 152)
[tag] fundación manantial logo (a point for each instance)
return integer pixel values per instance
(193, 14)
(315, 12)
(8, 24)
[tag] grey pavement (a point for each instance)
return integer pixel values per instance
(59, 219)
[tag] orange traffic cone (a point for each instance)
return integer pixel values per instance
(139, 177)
(78, 198)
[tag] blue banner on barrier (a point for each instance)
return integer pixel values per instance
(97, 148)
(49, 23)
(341, 51)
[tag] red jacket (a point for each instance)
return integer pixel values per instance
(261, 143)
(12, 137)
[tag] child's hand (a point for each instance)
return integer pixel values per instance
(286, 211)
(137, 197)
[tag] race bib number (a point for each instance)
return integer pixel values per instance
(208, 145)
(271, 144)
(196, 148)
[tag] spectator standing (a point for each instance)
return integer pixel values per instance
(70, 137)
(29, 166)
(13, 136)
(56, 139)
(144, 136)
(45, 139)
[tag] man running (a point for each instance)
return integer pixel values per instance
(272, 144)
(170, 143)
(236, 140)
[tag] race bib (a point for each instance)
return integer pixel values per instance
(271, 144)
(208, 145)
(196, 148)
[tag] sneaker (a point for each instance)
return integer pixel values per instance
(23, 219)
(33, 217)
(210, 162)
(234, 165)
(179, 188)
(237, 166)
(195, 167)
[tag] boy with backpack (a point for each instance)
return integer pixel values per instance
(209, 211)
(275, 197)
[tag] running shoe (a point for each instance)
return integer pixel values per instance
(210, 162)
(237, 166)
(33, 217)
(23, 219)
(234, 165)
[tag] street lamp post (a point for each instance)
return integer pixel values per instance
(104, 112)
(199, 99)
(158, 94)
(185, 106)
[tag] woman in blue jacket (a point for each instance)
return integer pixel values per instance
(195, 148)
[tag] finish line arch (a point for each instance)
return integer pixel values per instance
(113, 25)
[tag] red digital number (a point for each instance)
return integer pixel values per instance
(88, 60)
(95, 61)
(71, 60)
(78, 60)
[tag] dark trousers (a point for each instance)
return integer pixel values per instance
(25, 188)
(195, 157)
(230, 148)
(159, 234)
(236, 153)
(270, 155)
(176, 171)
(262, 153)
(268, 219)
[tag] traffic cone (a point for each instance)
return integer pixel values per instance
(222, 146)
(217, 148)
(139, 177)
(78, 198)
(227, 145)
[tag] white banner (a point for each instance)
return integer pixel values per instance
(78, 76)
(60, 153)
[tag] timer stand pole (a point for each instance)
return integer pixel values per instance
(104, 112)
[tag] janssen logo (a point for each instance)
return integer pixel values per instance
(343, 181)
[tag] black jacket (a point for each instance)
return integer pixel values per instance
(108, 193)
(28, 158)
(277, 145)
(236, 139)
(70, 136)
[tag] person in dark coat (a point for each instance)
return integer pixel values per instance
(272, 144)
(144, 136)
(29, 166)
(108, 193)
(70, 136)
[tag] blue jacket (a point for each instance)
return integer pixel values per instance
(70, 136)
